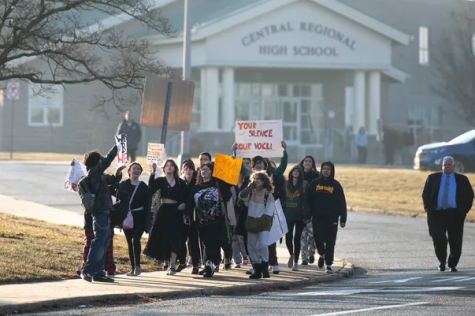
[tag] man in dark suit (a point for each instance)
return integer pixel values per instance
(447, 197)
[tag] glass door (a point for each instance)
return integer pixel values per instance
(291, 120)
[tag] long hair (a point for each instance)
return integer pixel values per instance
(314, 166)
(290, 187)
(175, 171)
(262, 175)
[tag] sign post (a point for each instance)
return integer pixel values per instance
(13, 93)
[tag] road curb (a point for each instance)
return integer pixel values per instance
(356, 209)
(267, 285)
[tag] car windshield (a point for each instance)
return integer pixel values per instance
(464, 138)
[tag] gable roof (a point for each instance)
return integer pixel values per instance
(206, 25)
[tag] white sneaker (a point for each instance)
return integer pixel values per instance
(130, 273)
(237, 265)
(296, 267)
(329, 269)
(275, 269)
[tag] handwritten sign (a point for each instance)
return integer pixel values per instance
(259, 138)
(76, 172)
(156, 153)
(227, 168)
(279, 224)
(121, 142)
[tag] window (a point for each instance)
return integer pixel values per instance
(423, 45)
(45, 108)
(473, 43)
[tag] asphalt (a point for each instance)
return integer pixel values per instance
(21, 298)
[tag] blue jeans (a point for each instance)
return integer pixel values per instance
(97, 253)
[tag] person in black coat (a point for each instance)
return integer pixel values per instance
(447, 198)
(133, 132)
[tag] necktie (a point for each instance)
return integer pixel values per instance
(445, 197)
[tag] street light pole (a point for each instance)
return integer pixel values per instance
(185, 140)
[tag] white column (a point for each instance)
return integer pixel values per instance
(212, 99)
(203, 116)
(359, 114)
(227, 113)
(374, 101)
(349, 106)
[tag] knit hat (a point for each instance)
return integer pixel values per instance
(257, 160)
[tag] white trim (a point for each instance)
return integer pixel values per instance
(107, 23)
(263, 7)
(396, 74)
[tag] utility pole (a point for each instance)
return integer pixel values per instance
(185, 140)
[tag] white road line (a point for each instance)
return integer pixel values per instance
(377, 291)
(448, 279)
(371, 309)
(463, 280)
(397, 281)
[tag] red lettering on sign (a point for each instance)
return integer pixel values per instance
(259, 133)
(251, 125)
(263, 146)
(122, 158)
(246, 146)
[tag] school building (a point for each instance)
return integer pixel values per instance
(324, 67)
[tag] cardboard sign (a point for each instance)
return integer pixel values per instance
(156, 153)
(259, 138)
(154, 100)
(76, 172)
(279, 224)
(121, 142)
(227, 168)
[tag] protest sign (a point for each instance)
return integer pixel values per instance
(75, 172)
(156, 153)
(227, 168)
(259, 138)
(121, 142)
(279, 224)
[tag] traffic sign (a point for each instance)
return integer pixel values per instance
(13, 90)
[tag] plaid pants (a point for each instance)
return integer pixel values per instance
(88, 237)
(307, 242)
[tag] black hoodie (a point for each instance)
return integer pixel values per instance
(327, 199)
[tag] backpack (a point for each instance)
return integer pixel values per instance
(121, 208)
(88, 198)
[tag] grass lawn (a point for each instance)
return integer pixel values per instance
(33, 250)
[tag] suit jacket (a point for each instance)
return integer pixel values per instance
(463, 196)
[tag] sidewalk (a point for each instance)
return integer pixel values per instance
(69, 293)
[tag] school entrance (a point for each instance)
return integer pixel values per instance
(299, 106)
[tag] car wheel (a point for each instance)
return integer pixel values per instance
(459, 166)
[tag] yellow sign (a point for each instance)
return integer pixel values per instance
(227, 168)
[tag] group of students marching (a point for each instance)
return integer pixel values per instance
(185, 210)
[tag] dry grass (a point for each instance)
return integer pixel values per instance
(33, 250)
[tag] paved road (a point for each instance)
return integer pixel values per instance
(397, 276)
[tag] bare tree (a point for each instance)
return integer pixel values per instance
(454, 64)
(73, 51)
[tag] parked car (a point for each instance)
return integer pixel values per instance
(461, 148)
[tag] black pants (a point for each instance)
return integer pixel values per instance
(362, 154)
(209, 235)
(272, 254)
(132, 154)
(133, 237)
(190, 233)
(293, 241)
(324, 233)
(447, 226)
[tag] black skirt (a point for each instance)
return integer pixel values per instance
(166, 233)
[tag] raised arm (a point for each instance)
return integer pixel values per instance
(283, 162)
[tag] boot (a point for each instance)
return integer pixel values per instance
(257, 271)
(265, 270)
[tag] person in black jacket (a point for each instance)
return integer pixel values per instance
(328, 207)
(447, 198)
(133, 132)
(98, 182)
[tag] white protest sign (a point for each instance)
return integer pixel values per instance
(156, 153)
(259, 138)
(75, 172)
(121, 142)
(279, 224)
